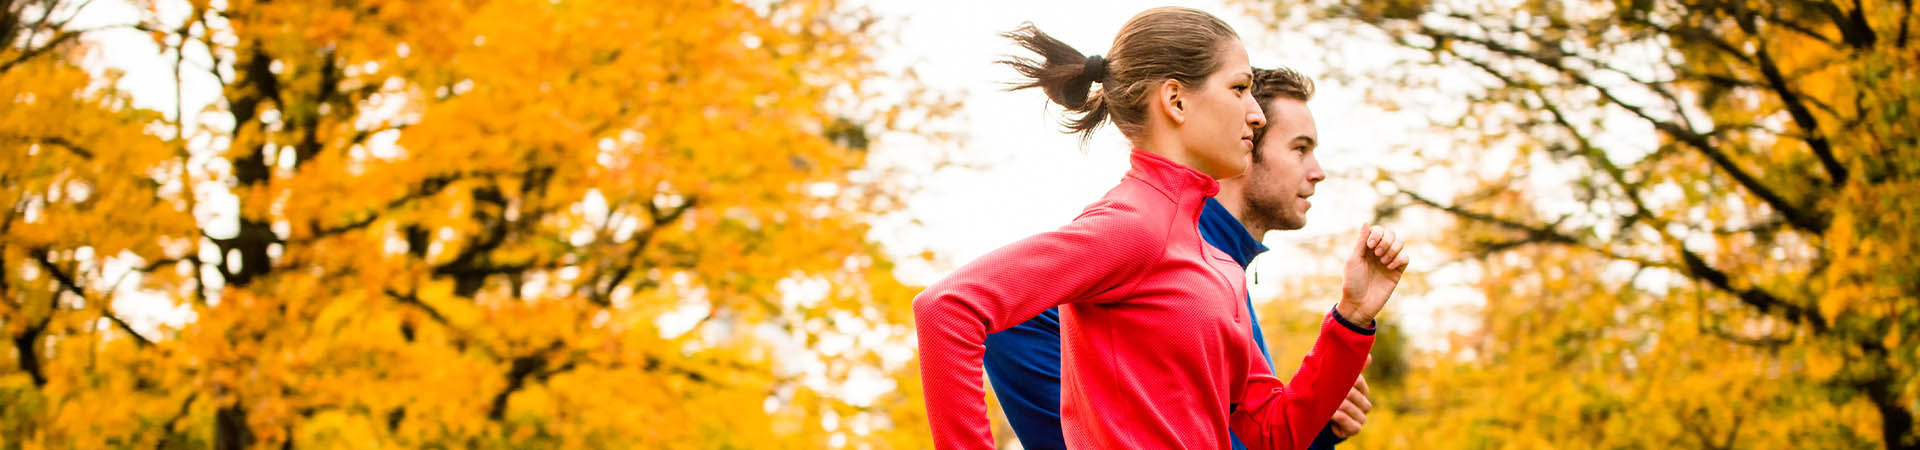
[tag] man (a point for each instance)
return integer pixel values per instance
(1023, 362)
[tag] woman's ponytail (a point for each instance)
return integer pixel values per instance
(1167, 43)
(1064, 74)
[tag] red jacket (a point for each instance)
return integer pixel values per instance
(1156, 350)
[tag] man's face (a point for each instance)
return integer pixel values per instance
(1281, 179)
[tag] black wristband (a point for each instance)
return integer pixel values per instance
(1368, 331)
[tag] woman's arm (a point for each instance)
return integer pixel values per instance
(1097, 257)
(1275, 416)
(1271, 415)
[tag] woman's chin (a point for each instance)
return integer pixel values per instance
(1233, 165)
(1229, 170)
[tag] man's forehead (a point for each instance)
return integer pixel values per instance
(1288, 117)
(1286, 105)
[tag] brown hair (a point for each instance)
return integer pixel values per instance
(1272, 84)
(1181, 44)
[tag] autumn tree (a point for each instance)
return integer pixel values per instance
(1688, 218)
(457, 224)
(80, 186)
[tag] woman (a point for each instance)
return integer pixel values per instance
(1156, 348)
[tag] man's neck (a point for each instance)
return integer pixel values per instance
(1233, 196)
(1259, 233)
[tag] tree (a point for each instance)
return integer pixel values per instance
(460, 224)
(79, 190)
(1685, 217)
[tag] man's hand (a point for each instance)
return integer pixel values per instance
(1373, 271)
(1353, 412)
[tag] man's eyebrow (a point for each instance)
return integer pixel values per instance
(1309, 139)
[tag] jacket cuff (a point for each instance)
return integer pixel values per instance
(1326, 439)
(1367, 331)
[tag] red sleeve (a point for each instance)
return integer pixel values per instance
(1273, 416)
(1097, 257)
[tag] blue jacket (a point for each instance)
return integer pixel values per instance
(1023, 362)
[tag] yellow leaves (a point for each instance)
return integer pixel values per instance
(334, 313)
(77, 164)
(339, 429)
(1797, 321)
(473, 215)
(460, 314)
(1870, 249)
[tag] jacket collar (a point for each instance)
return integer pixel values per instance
(1225, 232)
(1181, 183)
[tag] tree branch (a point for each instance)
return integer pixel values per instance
(1773, 17)
(1697, 268)
(173, 423)
(1906, 19)
(1694, 265)
(25, 344)
(58, 38)
(410, 299)
(34, 52)
(1533, 234)
(427, 188)
(657, 218)
(73, 287)
(520, 369)
(61, 142)
(1796, 216)
(1802, 117)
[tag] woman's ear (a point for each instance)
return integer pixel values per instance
(1170, 95)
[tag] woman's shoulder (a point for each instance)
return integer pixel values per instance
(1133, 210)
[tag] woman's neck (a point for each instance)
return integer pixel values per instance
(1168, 145)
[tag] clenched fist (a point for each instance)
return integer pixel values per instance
(1373, 271)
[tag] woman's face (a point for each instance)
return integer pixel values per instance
(1221, 115)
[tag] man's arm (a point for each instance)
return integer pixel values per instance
(1348, 419)
(1023, 364)
(1352, 414)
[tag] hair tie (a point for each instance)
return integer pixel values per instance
(1095, 69)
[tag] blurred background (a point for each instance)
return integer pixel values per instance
(700, 224)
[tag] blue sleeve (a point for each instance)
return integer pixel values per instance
(1259, 339)
(1023, 364)
(1259, 336)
